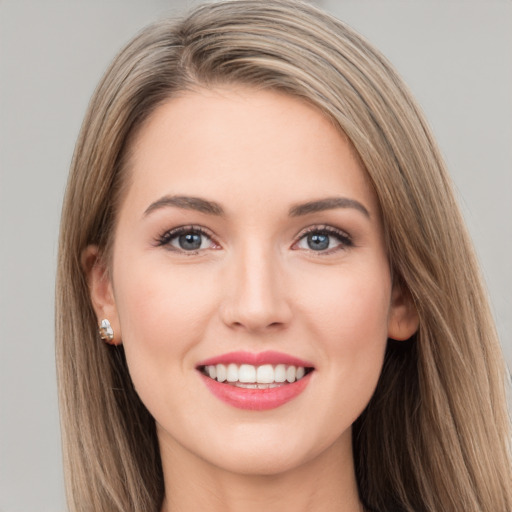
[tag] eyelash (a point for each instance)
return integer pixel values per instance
(165, 239)
(345, 241)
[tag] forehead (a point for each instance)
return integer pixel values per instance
(262, 145)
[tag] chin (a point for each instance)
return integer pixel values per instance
(262, 463)
(267, 453)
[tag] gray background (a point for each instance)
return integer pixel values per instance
(455, 56)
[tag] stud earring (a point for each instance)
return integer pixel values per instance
(106, 331)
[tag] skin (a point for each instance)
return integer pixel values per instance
(255, 284)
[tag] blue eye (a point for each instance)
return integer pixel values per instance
(318, 241)
(190, 241)
(186, 239)
(324, 239)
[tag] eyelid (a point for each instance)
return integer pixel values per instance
(164, 239)
(344, 238)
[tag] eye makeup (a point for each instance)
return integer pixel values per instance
(319, 239)
(187, 239)
(192, 239)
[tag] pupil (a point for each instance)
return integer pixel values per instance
(190, 241)
(318, 242)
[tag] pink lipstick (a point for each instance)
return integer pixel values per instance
(255, 381)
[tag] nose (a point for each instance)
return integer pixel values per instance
(254, 296)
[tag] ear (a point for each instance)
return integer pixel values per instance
(403, 320)
(100, 290)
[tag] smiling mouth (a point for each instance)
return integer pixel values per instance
(248, 376)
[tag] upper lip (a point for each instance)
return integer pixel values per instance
(256, 359)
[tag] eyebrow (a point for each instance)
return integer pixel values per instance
(213, 208)
(329, 203)
(187, 203)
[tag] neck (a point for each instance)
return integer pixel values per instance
(325, 483)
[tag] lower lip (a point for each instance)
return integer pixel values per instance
(256, 399)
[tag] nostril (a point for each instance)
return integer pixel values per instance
(257, 326)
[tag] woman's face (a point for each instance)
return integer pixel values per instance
(249, 251)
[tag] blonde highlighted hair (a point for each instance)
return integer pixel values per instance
(436, 434)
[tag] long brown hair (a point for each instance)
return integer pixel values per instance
(436, 434)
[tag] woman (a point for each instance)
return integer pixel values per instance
(259, 221)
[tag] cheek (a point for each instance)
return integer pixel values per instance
(162, 313)
(350, 318)
(350, 306)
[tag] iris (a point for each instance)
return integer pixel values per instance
(190, 241)
(318, 241)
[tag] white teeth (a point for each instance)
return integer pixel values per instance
(256, 386)
(232, 373)
(221, 372)
(257, 377)
(280, 373)
(291, 373)
(247, 373)
(265, 374)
